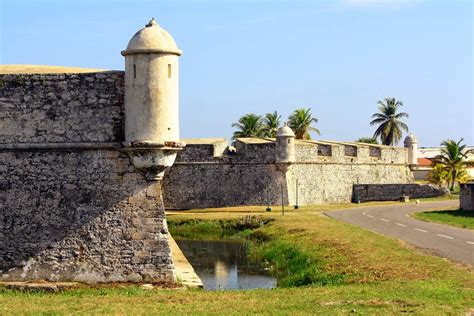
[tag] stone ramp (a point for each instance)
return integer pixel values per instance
(184, 271)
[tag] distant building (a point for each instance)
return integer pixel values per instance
(422, 169)
(425, 156)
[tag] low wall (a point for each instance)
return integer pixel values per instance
(393, 192)
(467, 196)
(80, 215)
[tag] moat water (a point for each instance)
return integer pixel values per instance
(224, 265)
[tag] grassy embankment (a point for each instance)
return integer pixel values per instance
(351, 270)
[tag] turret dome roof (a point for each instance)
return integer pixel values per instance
(410, 139)
(152, 39)
(285, 131)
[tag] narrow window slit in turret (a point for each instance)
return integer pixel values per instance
(169, 70)
(134, 71)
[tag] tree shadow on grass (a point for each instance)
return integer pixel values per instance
(455, 213)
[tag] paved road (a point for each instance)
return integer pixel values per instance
(446, 241)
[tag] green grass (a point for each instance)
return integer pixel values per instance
(351, 270)
(199, 229)
(293, 266)
(386, 298)
(439, 198)
(233, 228)
(459, 218)
(290, 264)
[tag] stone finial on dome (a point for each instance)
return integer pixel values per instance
(152, 39)
(151, 23)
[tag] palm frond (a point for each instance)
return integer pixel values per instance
(300, 122)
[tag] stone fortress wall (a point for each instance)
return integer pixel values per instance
(206, 174)
(72, 207)
(86, 110)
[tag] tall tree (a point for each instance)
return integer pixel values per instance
(300, 122)
(249, 125)
(452, 158)
(271, 123)
(389, 121)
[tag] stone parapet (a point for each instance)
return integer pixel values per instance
(61, 108)
(263, 150)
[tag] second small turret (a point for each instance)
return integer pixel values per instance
(285, 145)
(411, 144)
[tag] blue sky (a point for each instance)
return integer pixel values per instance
(338, 57)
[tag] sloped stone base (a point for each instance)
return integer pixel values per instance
(80, 215)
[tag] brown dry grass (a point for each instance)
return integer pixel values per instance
(44, 69)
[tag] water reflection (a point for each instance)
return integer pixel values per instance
(224, 265)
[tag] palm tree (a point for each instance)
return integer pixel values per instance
(452, 158)
(368, 140)
(300, 122)
(438, 175)
(390, 124)
(249, 125)
(271, 124)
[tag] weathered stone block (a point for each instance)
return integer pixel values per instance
(60, 108)
(467, 196)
